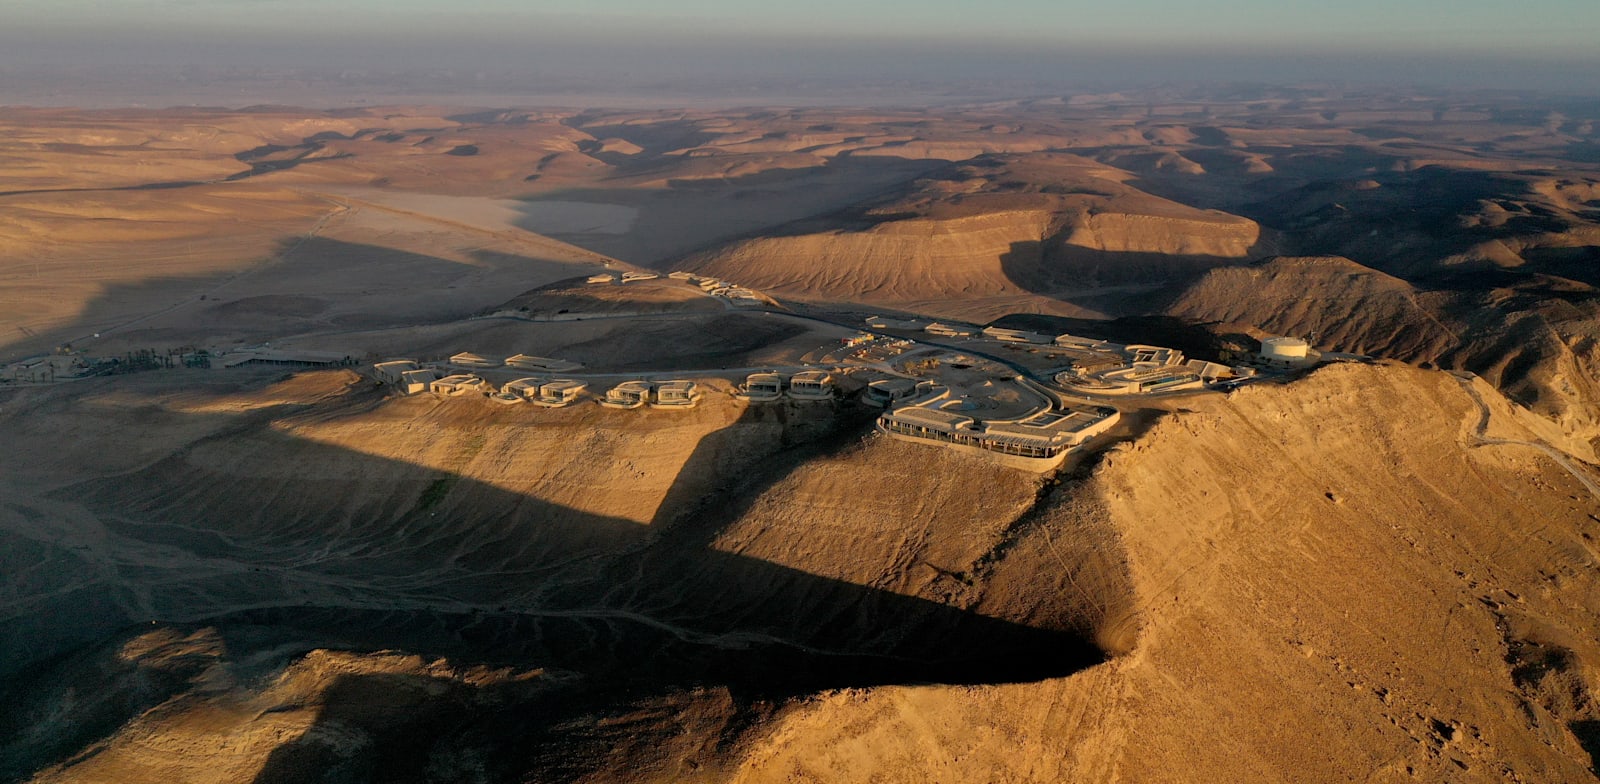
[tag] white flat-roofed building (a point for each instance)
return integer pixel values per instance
(931, 419)
(889, 322)
(677, 394)
(415, 382)
(887, 391)
(390, 372)
(1141, 379)
(763, 387)
(811, 385)
(546, 364)
(292, 358)
(1152, 355)
(604, 277)
(1016, 335)
(559, 392)
(525, 388)
(469, 359)
(1086, 344)
(1038, 442)
(1210, 371)
(951, 330)
(628, 394)
(683, 275)
(459, 384)
(629, 277)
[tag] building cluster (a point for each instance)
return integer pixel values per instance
(471, 361)
(680, 393)
(877, 349)
(1039, 439)
(541, 391)
(40, 370)
(622, 277)
(65, 366)
(1099, 367)
(712, 286)
(410, 378)
(968, 408)
(772, 387)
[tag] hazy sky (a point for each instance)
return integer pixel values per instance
(1571, 26)
(1497, 43)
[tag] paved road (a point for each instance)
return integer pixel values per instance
(1478, 438)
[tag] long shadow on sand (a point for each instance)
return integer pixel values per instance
(639, 617)
(337, 286)
(672, 221)
(1115, 283)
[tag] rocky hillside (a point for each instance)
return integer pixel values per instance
(1533, 338)
(1325, 592)
(414, 590)
(271, 543)
(994, 235)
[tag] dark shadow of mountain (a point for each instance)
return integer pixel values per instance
(403, 288)
(400, 556)
(1111, 282)
(1194, 340)
(696, 214)
(1588, 735)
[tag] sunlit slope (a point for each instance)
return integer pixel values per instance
(1325, 592)
(1531, 337)
(726, 546)
(1029, 233)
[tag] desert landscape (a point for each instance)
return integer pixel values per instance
(1179, 434)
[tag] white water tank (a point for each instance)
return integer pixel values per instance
(1282, 348)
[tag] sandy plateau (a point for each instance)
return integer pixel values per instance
(233, 552)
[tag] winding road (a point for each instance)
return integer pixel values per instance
(1479, 438)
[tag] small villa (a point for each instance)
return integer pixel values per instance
(811, 385)
(537, 364)
(888, 391)
(559, 392)
(677, 394)
(628, 394)
(469, 359)
(459, 384)
(525, 388)
(415, 382)
(390, 372)
(763, 387)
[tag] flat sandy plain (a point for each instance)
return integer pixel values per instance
(1377, 572)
